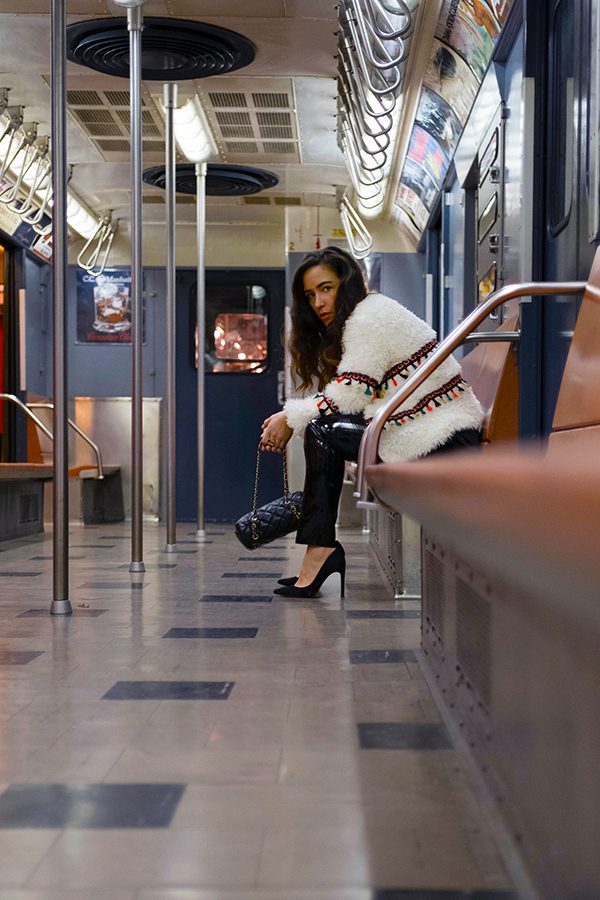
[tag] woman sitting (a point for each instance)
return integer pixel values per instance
(357, 347)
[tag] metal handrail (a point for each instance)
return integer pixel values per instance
(367, 24)
(369, 445)
(27, 410)
(350, 65)
(100, 242)
(362, 244)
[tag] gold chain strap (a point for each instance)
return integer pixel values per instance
(286, 494)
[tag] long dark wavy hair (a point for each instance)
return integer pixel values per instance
(316, 348)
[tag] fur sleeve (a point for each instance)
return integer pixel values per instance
(299, 411)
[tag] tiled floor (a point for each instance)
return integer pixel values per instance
(186, 735)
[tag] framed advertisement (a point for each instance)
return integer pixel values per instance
(104, 307)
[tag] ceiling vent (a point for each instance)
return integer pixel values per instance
(104, 117)
(172, 49)
(221, 181)
(247, 121)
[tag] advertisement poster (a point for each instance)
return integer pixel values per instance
(437, 117)
(419, 180)
(425, 151)
(470, 28)
(413, 206)
(104, 308)
(449, 76)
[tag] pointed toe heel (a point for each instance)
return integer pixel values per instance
(335, 562)
(287, 582)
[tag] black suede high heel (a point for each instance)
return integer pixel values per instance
(287, 582)
(335, 562)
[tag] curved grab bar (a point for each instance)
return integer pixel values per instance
(103, 237)
(379, 8)
(42, 164)
(365, 68)
(350, 64)
(26, 408)
(369, 445)
(78, 431)
(32, 215)
(366, 24)
(28, 412)
(361, 244)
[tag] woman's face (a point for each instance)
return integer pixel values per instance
(320, 289)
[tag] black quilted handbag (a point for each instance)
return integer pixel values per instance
(274, 519)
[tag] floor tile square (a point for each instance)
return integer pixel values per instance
(382, 656)
(274, 575)
(41, 612)
(114, 585)
(212, 633)
(18, 657)
(20, 574)
(89, 805)
(236, 598)
(169, 690)
(425, 894)
(383, 614)
(403, 736)
(170, 552)
(264, 559)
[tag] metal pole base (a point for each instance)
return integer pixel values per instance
(137, 567)
(201, 533)
(171, 548)
(400, 595)
(61, 608)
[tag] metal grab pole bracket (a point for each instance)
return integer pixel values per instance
(369, 446)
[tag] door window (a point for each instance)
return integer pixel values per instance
(237, 321)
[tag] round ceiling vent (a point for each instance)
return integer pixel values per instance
(172, 49)
(221, 181)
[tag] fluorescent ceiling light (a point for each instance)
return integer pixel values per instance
(192, 133)
(78, 218)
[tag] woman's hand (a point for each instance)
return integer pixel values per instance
(275, 433)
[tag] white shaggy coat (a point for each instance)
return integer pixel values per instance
(378, 334)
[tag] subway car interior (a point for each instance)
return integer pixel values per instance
(171, 728)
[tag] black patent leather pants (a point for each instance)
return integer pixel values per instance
(328, 442)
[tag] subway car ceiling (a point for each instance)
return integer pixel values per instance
(332, 127)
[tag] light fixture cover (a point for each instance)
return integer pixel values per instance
(192, 132)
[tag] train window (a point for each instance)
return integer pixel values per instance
(488, 217)
(561, 117)
(488, 158)
(236, 329)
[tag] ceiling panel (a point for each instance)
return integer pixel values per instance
(74, 7)
(312, 9)
(256, 9)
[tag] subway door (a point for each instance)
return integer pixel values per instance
(490, 216)
(243, 362)
(569, 246)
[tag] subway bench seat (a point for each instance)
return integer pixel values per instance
(22, 498)
(510, 635)
(511, 616)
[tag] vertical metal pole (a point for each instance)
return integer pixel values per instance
(61, 605)
(201, 319)
(170, 102)
(135, 26)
